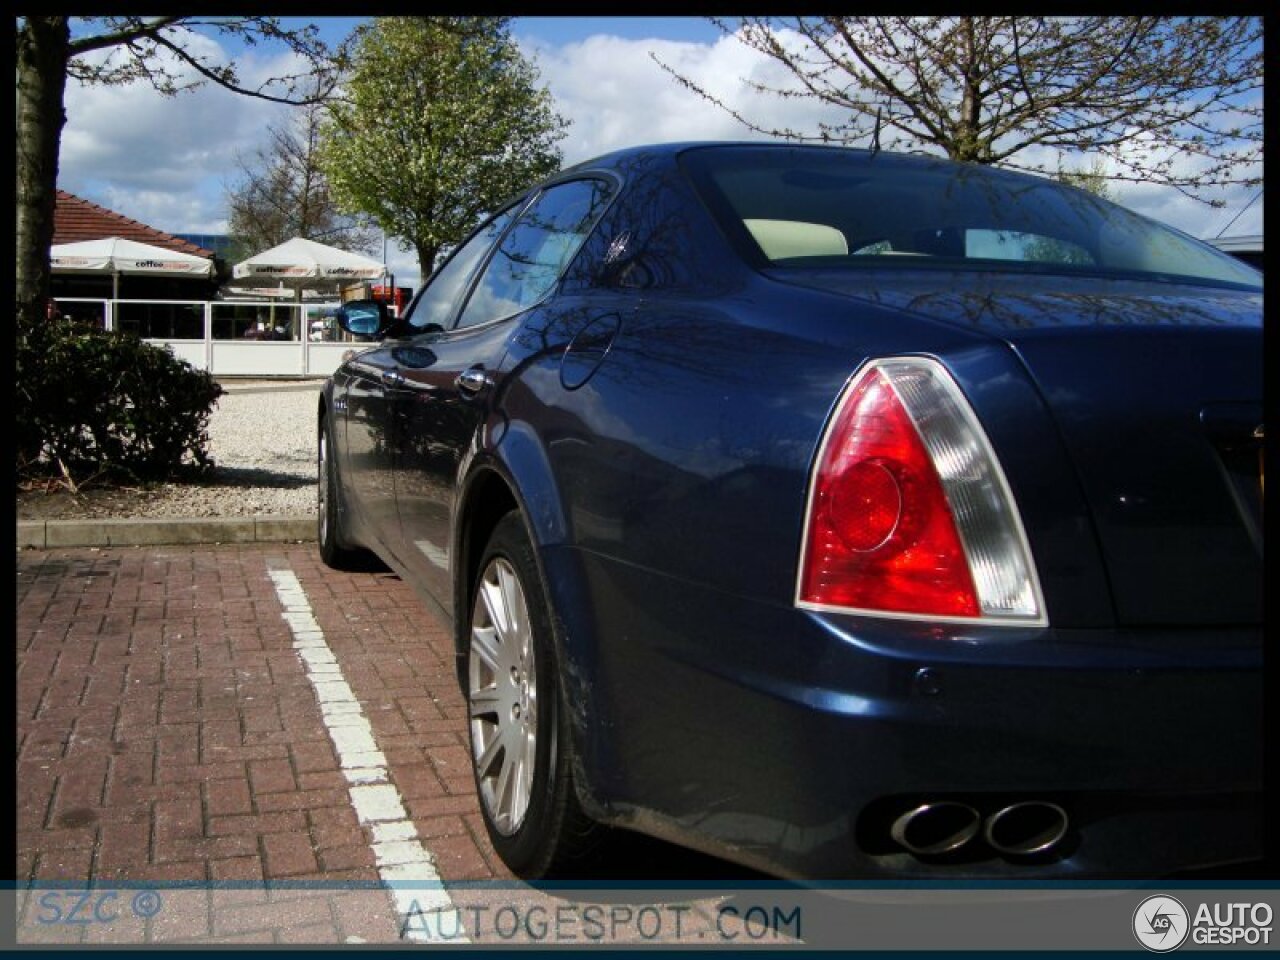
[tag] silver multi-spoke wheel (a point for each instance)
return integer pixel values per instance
(503, 696)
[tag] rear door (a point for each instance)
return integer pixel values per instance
(452, 382)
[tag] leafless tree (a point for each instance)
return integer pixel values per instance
(1166, 100)
(282, 193)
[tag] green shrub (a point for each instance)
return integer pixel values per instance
(106, 407)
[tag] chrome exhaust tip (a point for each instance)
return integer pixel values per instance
(936, 828)
(1027, 828)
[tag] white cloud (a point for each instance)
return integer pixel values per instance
(617, 96)
(1194, 216)
(164, 160)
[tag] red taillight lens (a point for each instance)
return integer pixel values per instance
(909, 513)
(881, 536)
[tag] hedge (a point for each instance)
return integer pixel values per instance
(104, 407)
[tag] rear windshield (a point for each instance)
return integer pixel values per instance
(815, 207)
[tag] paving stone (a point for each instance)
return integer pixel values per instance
(288, 854)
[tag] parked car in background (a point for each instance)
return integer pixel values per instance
(1245, 248)
(844, 514)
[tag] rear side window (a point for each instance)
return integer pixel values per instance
(537, 250)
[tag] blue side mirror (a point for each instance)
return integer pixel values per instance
(364, 318)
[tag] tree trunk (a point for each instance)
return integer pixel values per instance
(968, 147)
(426, 259)
(44, 45)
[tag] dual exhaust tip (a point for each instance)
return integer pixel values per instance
(1018, 830)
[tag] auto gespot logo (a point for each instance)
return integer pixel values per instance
(1161, 924)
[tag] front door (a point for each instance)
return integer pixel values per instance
(371, 443)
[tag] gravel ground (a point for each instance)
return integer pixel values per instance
(262, 440)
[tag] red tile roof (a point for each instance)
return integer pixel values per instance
(76, 219)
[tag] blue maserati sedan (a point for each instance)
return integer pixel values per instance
(839, 513)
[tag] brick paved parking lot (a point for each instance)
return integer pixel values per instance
(227, 716)
(167, 729)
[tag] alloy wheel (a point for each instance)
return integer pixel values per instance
(503, 696)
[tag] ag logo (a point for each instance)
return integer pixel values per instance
(1161, 923)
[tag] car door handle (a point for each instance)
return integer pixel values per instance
(473, 381)
(392, 378)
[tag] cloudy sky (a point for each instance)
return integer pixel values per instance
(168, 161)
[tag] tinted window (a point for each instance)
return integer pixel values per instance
(813, 207)
(449, 283)
(536, 252)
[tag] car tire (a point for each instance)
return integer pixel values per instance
(521, 744)
(333, 546)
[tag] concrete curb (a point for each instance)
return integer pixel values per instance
(43, 534)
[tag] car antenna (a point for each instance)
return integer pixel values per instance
(875, 136)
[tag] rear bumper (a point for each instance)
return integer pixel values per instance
(790, 740)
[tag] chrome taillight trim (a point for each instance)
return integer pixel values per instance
(961, 406)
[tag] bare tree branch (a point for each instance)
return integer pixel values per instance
(124, 35)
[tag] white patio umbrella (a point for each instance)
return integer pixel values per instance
(304, 264)
(301, 264)
(116, 255)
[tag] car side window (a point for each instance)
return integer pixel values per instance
(442, 293)
(537, 250)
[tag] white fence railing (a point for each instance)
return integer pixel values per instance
(231, 338)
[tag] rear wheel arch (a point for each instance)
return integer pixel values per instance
(490, 492)
(515, 477)
(522, 744)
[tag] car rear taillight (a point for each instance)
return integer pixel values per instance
(909, 513)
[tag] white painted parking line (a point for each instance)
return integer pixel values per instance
(401, 857)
